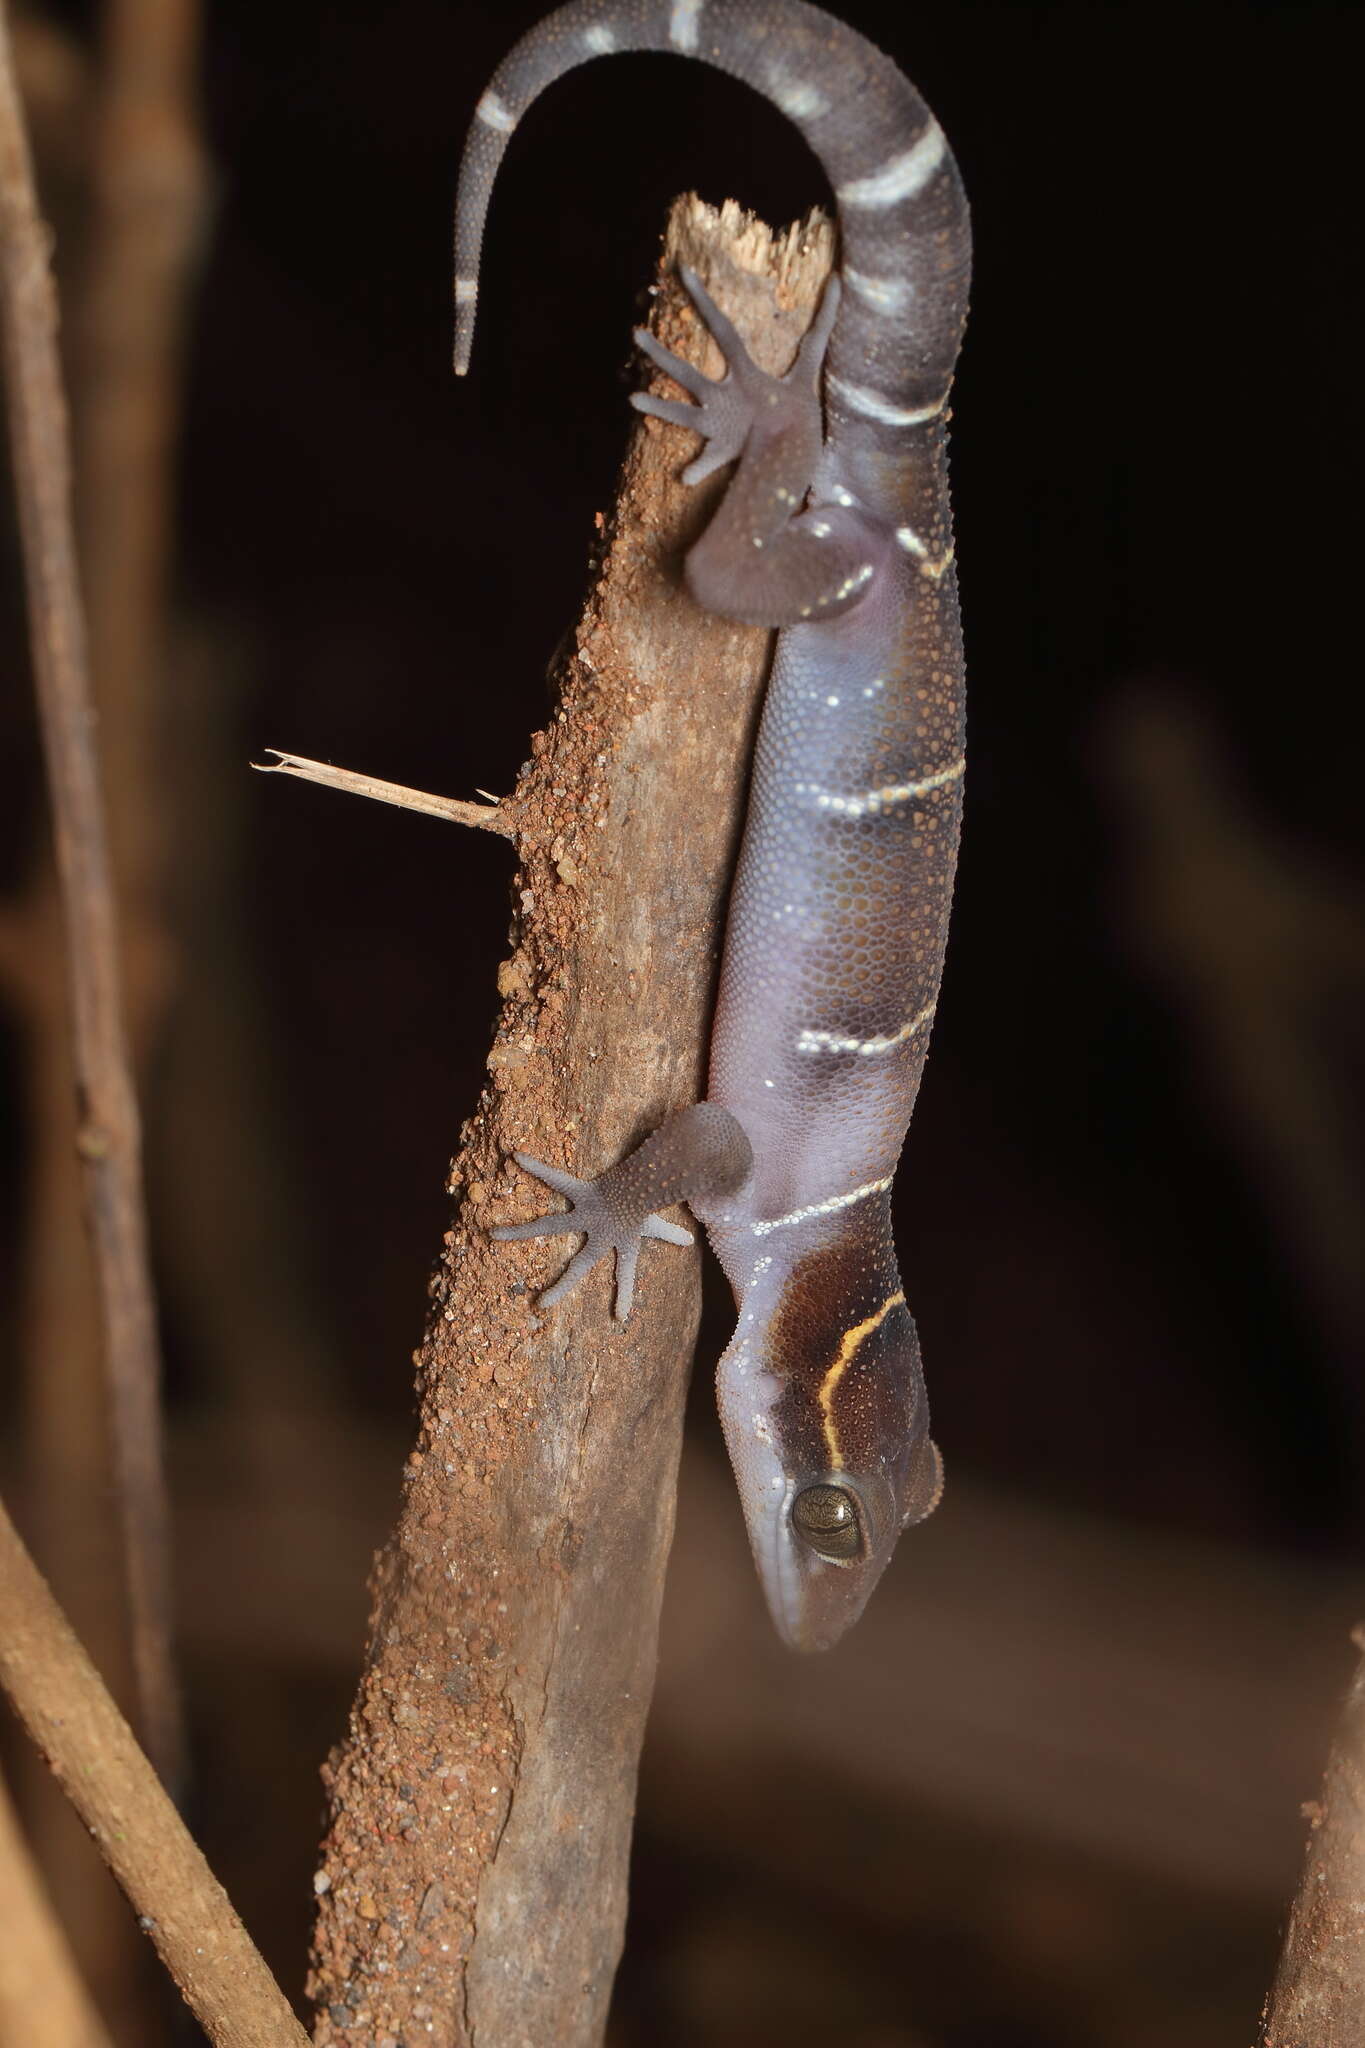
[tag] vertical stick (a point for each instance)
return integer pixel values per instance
(148, 194)
(57, 1694)
(109, 1139)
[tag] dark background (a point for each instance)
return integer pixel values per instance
(1128, 1204)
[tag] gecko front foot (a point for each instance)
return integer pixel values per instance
(728, 408)
(701, 1151)
(604, 1229)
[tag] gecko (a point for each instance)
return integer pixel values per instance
(835, 531)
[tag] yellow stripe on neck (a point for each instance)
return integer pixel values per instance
(849, 1347)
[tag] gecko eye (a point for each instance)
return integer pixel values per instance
(826, 1517)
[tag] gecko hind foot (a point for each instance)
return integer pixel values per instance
(604, 1228)
(727, 407)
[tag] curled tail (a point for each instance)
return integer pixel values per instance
(905, 240)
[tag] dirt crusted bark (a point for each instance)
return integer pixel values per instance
(472, 1887)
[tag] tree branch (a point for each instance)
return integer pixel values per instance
(149, 193)
(1318, 1998)
(109, 1140)
(474, 1874)
(58, 1695)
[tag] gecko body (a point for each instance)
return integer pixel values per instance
(835, 530)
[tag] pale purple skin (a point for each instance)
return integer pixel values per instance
(835, 529)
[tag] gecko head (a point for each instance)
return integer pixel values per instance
(828, 1429)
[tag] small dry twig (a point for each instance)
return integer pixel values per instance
(492, 817)
(61, 1700)
(109, 1138)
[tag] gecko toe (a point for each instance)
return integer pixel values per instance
(627, 1257)
(722, 329)
(559, 1221)
(677, 367)
(676, 411)
(578, 1268)
(553, 1176)
(535, 1226)
(668, 1233)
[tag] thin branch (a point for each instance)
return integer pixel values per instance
(491, 817)
(1318, 1999)
(474, 1877)
(109, 1140)
(61, 1700)
(43, 2003)
(149, 194)
(16, 951)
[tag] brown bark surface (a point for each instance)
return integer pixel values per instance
(473, 1877)
(1318, 1999)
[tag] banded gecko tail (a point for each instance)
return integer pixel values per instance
(906, 245)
